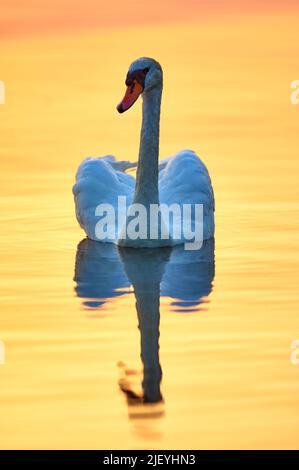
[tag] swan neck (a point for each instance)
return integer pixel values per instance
(146, 191)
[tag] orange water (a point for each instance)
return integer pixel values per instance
(228, 381)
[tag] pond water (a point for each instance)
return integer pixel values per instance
(132, 350)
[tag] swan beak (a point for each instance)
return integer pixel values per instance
(131, 95)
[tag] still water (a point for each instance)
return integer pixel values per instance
(164, 349)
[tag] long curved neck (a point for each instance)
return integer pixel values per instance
(146, 190)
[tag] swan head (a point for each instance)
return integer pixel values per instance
(144, 75)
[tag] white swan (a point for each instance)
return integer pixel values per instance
(182, 179)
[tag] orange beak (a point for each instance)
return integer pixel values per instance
(131, 95)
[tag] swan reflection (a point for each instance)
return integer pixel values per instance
(103, 271)
(100, 274)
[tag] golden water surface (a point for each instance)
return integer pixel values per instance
(71, 347)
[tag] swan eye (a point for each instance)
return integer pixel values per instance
(136, 76)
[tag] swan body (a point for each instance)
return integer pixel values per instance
(181, 179)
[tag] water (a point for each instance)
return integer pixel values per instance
(222, 375)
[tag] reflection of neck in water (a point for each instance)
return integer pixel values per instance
(145, 268)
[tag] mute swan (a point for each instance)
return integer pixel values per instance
(182, 179)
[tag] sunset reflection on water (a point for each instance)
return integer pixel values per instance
(218, 372)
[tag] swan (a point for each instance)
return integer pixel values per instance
(181, 179)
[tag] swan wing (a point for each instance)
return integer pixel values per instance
(184, 179)
(100, 181)
(119, 165)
